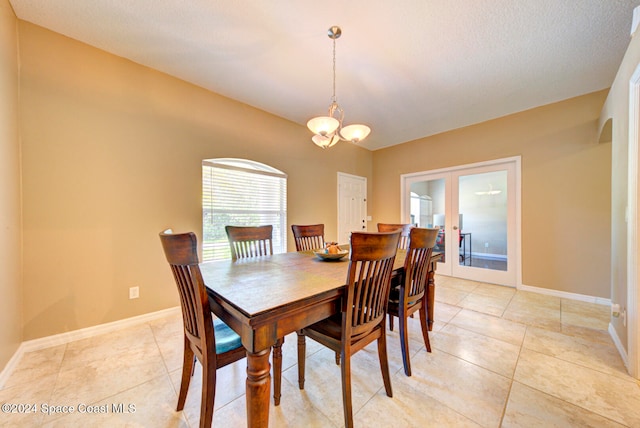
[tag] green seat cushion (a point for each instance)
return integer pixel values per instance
(226, 339)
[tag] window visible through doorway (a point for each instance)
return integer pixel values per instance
(241, 192)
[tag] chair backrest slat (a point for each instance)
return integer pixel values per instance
(181, 253)
(416, 265)
(368, 279)
(250, 241)
(308, 237)
(405, 229)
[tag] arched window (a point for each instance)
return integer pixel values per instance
(241, 192)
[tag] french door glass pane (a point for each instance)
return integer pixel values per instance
(482, 204)
(428, 207)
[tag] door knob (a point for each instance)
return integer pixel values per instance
(455, 227)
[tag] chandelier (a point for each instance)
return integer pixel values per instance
(329, 130)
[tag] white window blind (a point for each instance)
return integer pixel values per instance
(240, 192)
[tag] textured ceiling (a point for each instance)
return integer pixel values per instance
(408, 69)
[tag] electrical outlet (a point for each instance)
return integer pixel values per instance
(134, 292)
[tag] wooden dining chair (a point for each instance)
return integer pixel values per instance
(213, 343)
(403, 243)
(409, 294)
(308, 237)
(255, 241)
(363, 311)
(250, 241)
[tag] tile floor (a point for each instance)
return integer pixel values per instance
(500, 358)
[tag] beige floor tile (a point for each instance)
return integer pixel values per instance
(496, 327)
(492, 354)
(416, 342)
(408, 408)
(567, 372)
(536, 310)
(443, 313)
(492, 305)
(37, 365)
(524, 298)
(456, 283)
(493, 290)
(31, 396)
(230, 385)
(451, 296)
(296, 409)
(151, 404)
(323, 379)
(137, 338)
(543, 318)
(466, 388)
(168, 334)
(531, 408)
(594, 391)
(577, 350)
(594, 335)
(583, 314)
(93, 381)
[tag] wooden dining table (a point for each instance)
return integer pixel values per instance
(266, 298)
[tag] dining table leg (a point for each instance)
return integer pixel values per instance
(258, 388)
(431, 292)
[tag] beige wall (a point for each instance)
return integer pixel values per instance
(565, 186)
(616, 113)
(10, 244)
(112, 155)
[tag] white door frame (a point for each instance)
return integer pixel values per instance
(633, 255)
(516, 160)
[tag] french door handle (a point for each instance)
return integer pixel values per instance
(455, 227)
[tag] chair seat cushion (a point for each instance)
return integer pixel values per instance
(226, 338)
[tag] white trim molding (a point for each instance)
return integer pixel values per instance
(566, 295)
(71, 336)
(633, 251)
(618, 343)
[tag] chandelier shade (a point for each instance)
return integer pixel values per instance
(325, 141)
(329, 129)
(355, 133)
(323, 125)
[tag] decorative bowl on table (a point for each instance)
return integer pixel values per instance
(324, 254)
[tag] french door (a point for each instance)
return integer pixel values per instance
(476, 208)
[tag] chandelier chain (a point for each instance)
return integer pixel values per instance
(334, 99)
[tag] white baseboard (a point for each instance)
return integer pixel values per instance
(566, 295)
(619, 347)
(71, 336)
(489, 256)
(10, 366)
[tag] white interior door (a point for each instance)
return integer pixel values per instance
(352, 205)
(476, 208)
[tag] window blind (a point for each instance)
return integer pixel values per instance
(240, 192)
